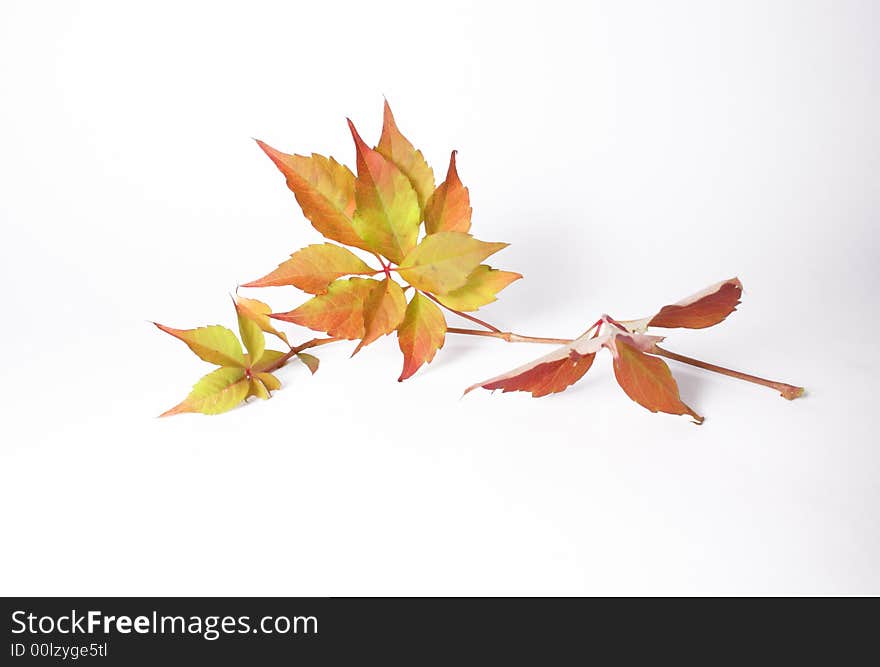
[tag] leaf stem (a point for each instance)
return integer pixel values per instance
(509, 336)
(787, 391)
(464, 315)
(315, 342)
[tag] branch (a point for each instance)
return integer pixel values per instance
(787, 391)
(509, 336)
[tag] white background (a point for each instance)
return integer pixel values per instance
(631, 153)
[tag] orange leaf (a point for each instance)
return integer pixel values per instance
(701, 310)
(314, 267)
(339, 312)
(421, 334)
(548, 378)
(383, 312)
(449, 208)
(647, 380)
(397, 148)
(324, 190)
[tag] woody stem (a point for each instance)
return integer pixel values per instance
(509, 336)
(787, 391)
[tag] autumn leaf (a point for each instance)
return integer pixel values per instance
(397, 148)
(449, 208)
(259, 313)
(552, 373)
(443, 261)
(704, 309)
(252, 336)
(420, 335)
(384, 308)
(258, 389)
(324, 189)
(313, 268)
(547, 378)
(339, 312)
(239, 376)
(481, 288)
(310, 361)
(218, 391)
(388, 214)
(214, 344)
(647, 380)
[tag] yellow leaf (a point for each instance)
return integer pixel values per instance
(421, 334)
(481, 288)
(259, 313)
(388, 214)
(324, 190)
(313, 268)
(443, 261)
(257, 388)
(252, 336)
(339, 312)
(383, 312)
(270, 381)
(397, 148)
(214, 344)
(218, 391)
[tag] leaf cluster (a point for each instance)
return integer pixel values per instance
(398, 249)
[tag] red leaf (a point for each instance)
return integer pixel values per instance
(647, 380)
(550, 374)
(701, 310)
